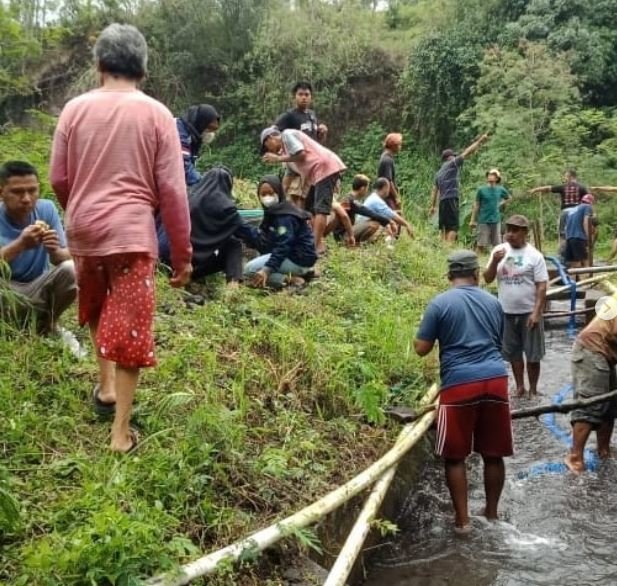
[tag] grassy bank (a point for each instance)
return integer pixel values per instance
(260, 404)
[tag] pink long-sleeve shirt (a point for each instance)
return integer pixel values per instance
(116, 159)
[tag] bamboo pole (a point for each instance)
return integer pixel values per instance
(564, 407)
(612, 290)
(550, 314)
(347, 556)
(583, 283)
(357, 536)
(264, 538)
(580, 270)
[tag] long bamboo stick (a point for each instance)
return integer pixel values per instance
(579, 284)
(579, 270)
(550, 314)
(565, 407)
(261, 540)
(347, 557)
(357, 536)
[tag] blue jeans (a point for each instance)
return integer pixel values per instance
(276, 280)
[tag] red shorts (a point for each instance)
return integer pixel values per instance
(118, 292)
(474, 417)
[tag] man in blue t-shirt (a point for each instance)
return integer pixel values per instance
(376, 203)
(32, 238)
(578, 230)
(474, 412)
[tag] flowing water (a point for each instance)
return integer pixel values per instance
(556, 529)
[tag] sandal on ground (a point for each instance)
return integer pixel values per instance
(462, 530)
(101, 408)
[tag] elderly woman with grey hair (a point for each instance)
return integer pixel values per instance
(116, 159)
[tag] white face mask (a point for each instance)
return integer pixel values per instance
(208, 137)
(269, 200)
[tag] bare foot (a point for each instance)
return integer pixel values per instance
(604, 454)
(232, 286)
(533, 393)
(295, 281)
(128, 445)
(575, 464)
(520, 392)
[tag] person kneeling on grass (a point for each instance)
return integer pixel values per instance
(594, 356)
(214, 221)
(377, 205)
(474, 412)
(284, 238)
(352, 206)
(32, 237)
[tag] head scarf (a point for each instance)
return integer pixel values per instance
(197, 119)
(283, 207)
(214, 215)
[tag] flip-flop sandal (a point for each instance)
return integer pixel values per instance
(100, 408)
(134, 441)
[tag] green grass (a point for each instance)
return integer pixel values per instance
(260, 404)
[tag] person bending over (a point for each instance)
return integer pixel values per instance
(352, 206)
(214, 221)
(284, 240)
(593, 360)
(319, 167)
(376, 204)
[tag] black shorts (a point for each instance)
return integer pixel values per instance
(448, 214)
(320, 196)
(576, 250)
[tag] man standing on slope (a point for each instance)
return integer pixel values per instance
(447, 187)
(302, 118)
(474, 412)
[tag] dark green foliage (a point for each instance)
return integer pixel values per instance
(438, 85)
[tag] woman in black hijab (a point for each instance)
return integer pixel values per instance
(214, 221)
(196, 127)
(284, 239)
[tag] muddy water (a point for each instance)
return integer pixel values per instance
(556, 529)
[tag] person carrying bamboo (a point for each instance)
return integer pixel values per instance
(474, 411)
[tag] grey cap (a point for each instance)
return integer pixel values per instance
(462, 260)
(518, 221)
(267, 133)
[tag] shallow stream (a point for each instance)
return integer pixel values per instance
(556, 529)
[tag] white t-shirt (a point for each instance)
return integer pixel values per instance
(517, 275)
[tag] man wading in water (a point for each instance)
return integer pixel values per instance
(474, 413)
(594, 356)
